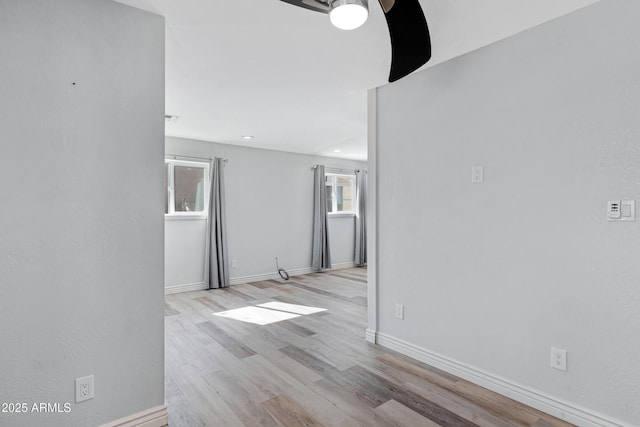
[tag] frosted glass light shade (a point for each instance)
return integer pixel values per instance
(348, 14)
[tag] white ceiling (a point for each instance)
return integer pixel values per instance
(286, 76)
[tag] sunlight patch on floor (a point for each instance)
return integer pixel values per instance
(292, 308)
(267, 313)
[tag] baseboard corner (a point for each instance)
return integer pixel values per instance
(370, 335)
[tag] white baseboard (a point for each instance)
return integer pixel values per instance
(185, 288)
(275, 275)
(268, 276)
(342, 265)
(154, 417)
(370, 336)
(544, 402)
(254, 278)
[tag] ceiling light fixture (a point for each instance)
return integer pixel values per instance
(247, 137)
(336, 151)
(348, 14)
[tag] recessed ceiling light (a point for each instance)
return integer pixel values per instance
(247, 137)
(336, 151)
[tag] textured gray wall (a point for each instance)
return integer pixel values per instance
(81, 224)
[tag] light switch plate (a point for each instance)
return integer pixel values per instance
(477, 174)
(628, 210)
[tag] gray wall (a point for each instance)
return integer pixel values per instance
(269, 197)
(81, 226)
(494, 274)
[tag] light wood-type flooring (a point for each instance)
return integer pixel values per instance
(312, 370)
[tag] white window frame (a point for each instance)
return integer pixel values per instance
(334, 199)
(172, 214)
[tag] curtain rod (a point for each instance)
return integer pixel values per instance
(176, 156)
(336, 168)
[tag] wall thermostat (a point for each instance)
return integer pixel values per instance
(621, 210)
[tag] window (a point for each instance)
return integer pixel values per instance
(340, 193)
(186, 188)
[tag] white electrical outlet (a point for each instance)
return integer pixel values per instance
(234, 263)
(477, 174)
(84, 389)
(558, 359)
(400, 311)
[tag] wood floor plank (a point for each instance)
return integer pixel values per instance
(208, 405)
(260, 285)
(327, 293)
(543, 422)
(461, 407)
(297, 328)
(367, 393)
(182, 413)
(327, 352)
(310, 361)
(303, 374)
(399, 415)
(360, 300)
(239, 399)
(288, 413)
(207, 301)
(424, 407)
(233, 345)
(418, 368)
(349, 277)
(346, 401)
(266, 373)
(230, 291)
(169, 310)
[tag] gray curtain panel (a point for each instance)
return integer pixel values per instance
(218, 256)
(321, 256)
(360, 258)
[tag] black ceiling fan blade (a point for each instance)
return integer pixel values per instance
(410, 39)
